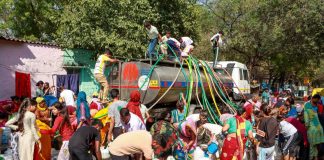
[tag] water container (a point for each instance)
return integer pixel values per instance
(5, 135)
(105, 153)
(212, 148)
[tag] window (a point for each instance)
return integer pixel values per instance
(241, 74)
(246, 75)
(230, 67)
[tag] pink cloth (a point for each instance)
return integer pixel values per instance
(184, 136)
(189, 123)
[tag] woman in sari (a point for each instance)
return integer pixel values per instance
(164, 137)
(314, 129)
(236, 130)
(83, 110)
(134, 104)
(178, 114)
(188, 138)
(43, 121)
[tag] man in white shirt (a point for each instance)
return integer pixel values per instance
(67, 96)
(290, 148)
(130, 121)
(154, 36)
(187, 45)
(216, 39)
(185, 41)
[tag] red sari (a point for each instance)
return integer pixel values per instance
(134, 104)
(233, 148)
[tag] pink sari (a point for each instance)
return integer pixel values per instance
(185, 137)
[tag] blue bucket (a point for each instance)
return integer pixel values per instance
(212, 148)
(180, 155)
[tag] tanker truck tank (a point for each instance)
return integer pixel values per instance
(129, 76)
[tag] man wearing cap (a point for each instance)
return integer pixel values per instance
(39, 90)
(99, 73)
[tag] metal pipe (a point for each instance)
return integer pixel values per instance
(119, 74)
(216, 56)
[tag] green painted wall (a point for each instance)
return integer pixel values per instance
(87, 59)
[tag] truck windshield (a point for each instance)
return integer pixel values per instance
(229, 68)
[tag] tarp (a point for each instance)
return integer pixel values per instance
(22, 85)
(69, 81)
(318, 91)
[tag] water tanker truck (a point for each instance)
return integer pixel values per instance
(154, 79)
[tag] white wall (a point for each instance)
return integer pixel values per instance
(40, 61)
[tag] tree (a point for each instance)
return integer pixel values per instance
(178, 16)
(29, 19)
(282, 36)
(97, 24)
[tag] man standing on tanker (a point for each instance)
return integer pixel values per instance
(99, 73)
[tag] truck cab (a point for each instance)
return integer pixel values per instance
(240, 75)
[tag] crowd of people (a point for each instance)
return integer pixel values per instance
(265, 128)
(273, 127)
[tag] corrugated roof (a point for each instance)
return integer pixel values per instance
(27, 41)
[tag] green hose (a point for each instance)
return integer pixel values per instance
(204, 96)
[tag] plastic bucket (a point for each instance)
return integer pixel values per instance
(212, 148)
(105, 153)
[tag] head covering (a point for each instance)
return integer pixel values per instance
(134, 104)
(39, 100)
(188, 123)
(95, 94)
(135, 96)
(82, 99)
(299, 108)
(70, 109)
(50, 100)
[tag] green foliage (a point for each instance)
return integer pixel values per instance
(177, 16)
(279, 38)
(285, 37)
(29, 19)
(97, 24)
